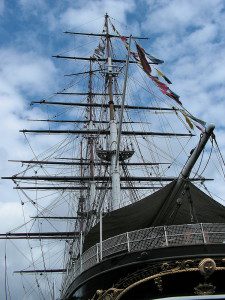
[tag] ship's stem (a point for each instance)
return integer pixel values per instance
(185, 173)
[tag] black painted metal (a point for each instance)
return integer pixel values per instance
(107, 273)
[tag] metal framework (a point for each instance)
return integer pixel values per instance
(146, 239)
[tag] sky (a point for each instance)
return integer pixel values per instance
(188, 34)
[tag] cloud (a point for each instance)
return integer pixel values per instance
(26, 72)
(189, 35)
(22, 75)
(33, 7)
(89, 15)
(180, 15)
(190, 42)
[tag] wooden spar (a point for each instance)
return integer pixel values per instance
(83, 121)
(39, 235)
(107, 132)
(104, 35)
(77, 188)
(113, 133)
(55, 218)
(74, 188)
(103, 105)
(90, 140)
(85, 94)
(81, 73)
(97, 178)
(69, 121)
(123, 102)
(80, 208)
(40, 271)
(93, 59)
(72, 163)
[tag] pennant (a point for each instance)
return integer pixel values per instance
(123, 38)
(174, 96)
(163, 87)
(154, 59)
(187, 119)
(141, 59)
(200, 124)
(203, 123)
(135, 55)
(145, 65)
(99, 51)
(163, 76)
(101, 48)
(202, 129)
(113, 27)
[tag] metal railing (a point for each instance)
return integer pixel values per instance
(146, 239)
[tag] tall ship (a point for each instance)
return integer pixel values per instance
(123, 184)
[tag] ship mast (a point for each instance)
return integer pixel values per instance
(91, 142)
(115, 172)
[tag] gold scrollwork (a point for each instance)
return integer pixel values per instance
(204, 289)
(207, 266)
(188, 263)
(158, 283)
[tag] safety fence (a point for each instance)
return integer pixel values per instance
(145, 239)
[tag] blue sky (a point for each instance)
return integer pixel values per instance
(188, 34)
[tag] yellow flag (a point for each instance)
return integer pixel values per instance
(189, 122)
(163, 76)
(187, 119)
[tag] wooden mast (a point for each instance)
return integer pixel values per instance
(115, 172)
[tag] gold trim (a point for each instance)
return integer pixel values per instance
(206, 267)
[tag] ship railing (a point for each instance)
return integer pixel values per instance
(147, 239)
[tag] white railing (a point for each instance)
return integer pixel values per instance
(146, 239)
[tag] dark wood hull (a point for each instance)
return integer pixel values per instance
(156, 273)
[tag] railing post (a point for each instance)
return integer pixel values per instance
(166, 237)
(81, 250)
(100, 244)
(128, 242)
(97, 254)
(203, 234)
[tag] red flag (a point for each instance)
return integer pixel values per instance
(135, 55)
(163, 87)
(174, 96)
(145, 65)
(123, 38)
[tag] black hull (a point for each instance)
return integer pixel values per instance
(156, 273)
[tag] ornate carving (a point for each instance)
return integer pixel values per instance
(207, 266)
(156, 272)
(204, 289)
(188, 263)
(165, 266)
(109, 294)
(158, 283)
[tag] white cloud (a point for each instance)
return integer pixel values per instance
(89, 14)
(189, 36)
(176, 15)
(27, 72)
(10, 214)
